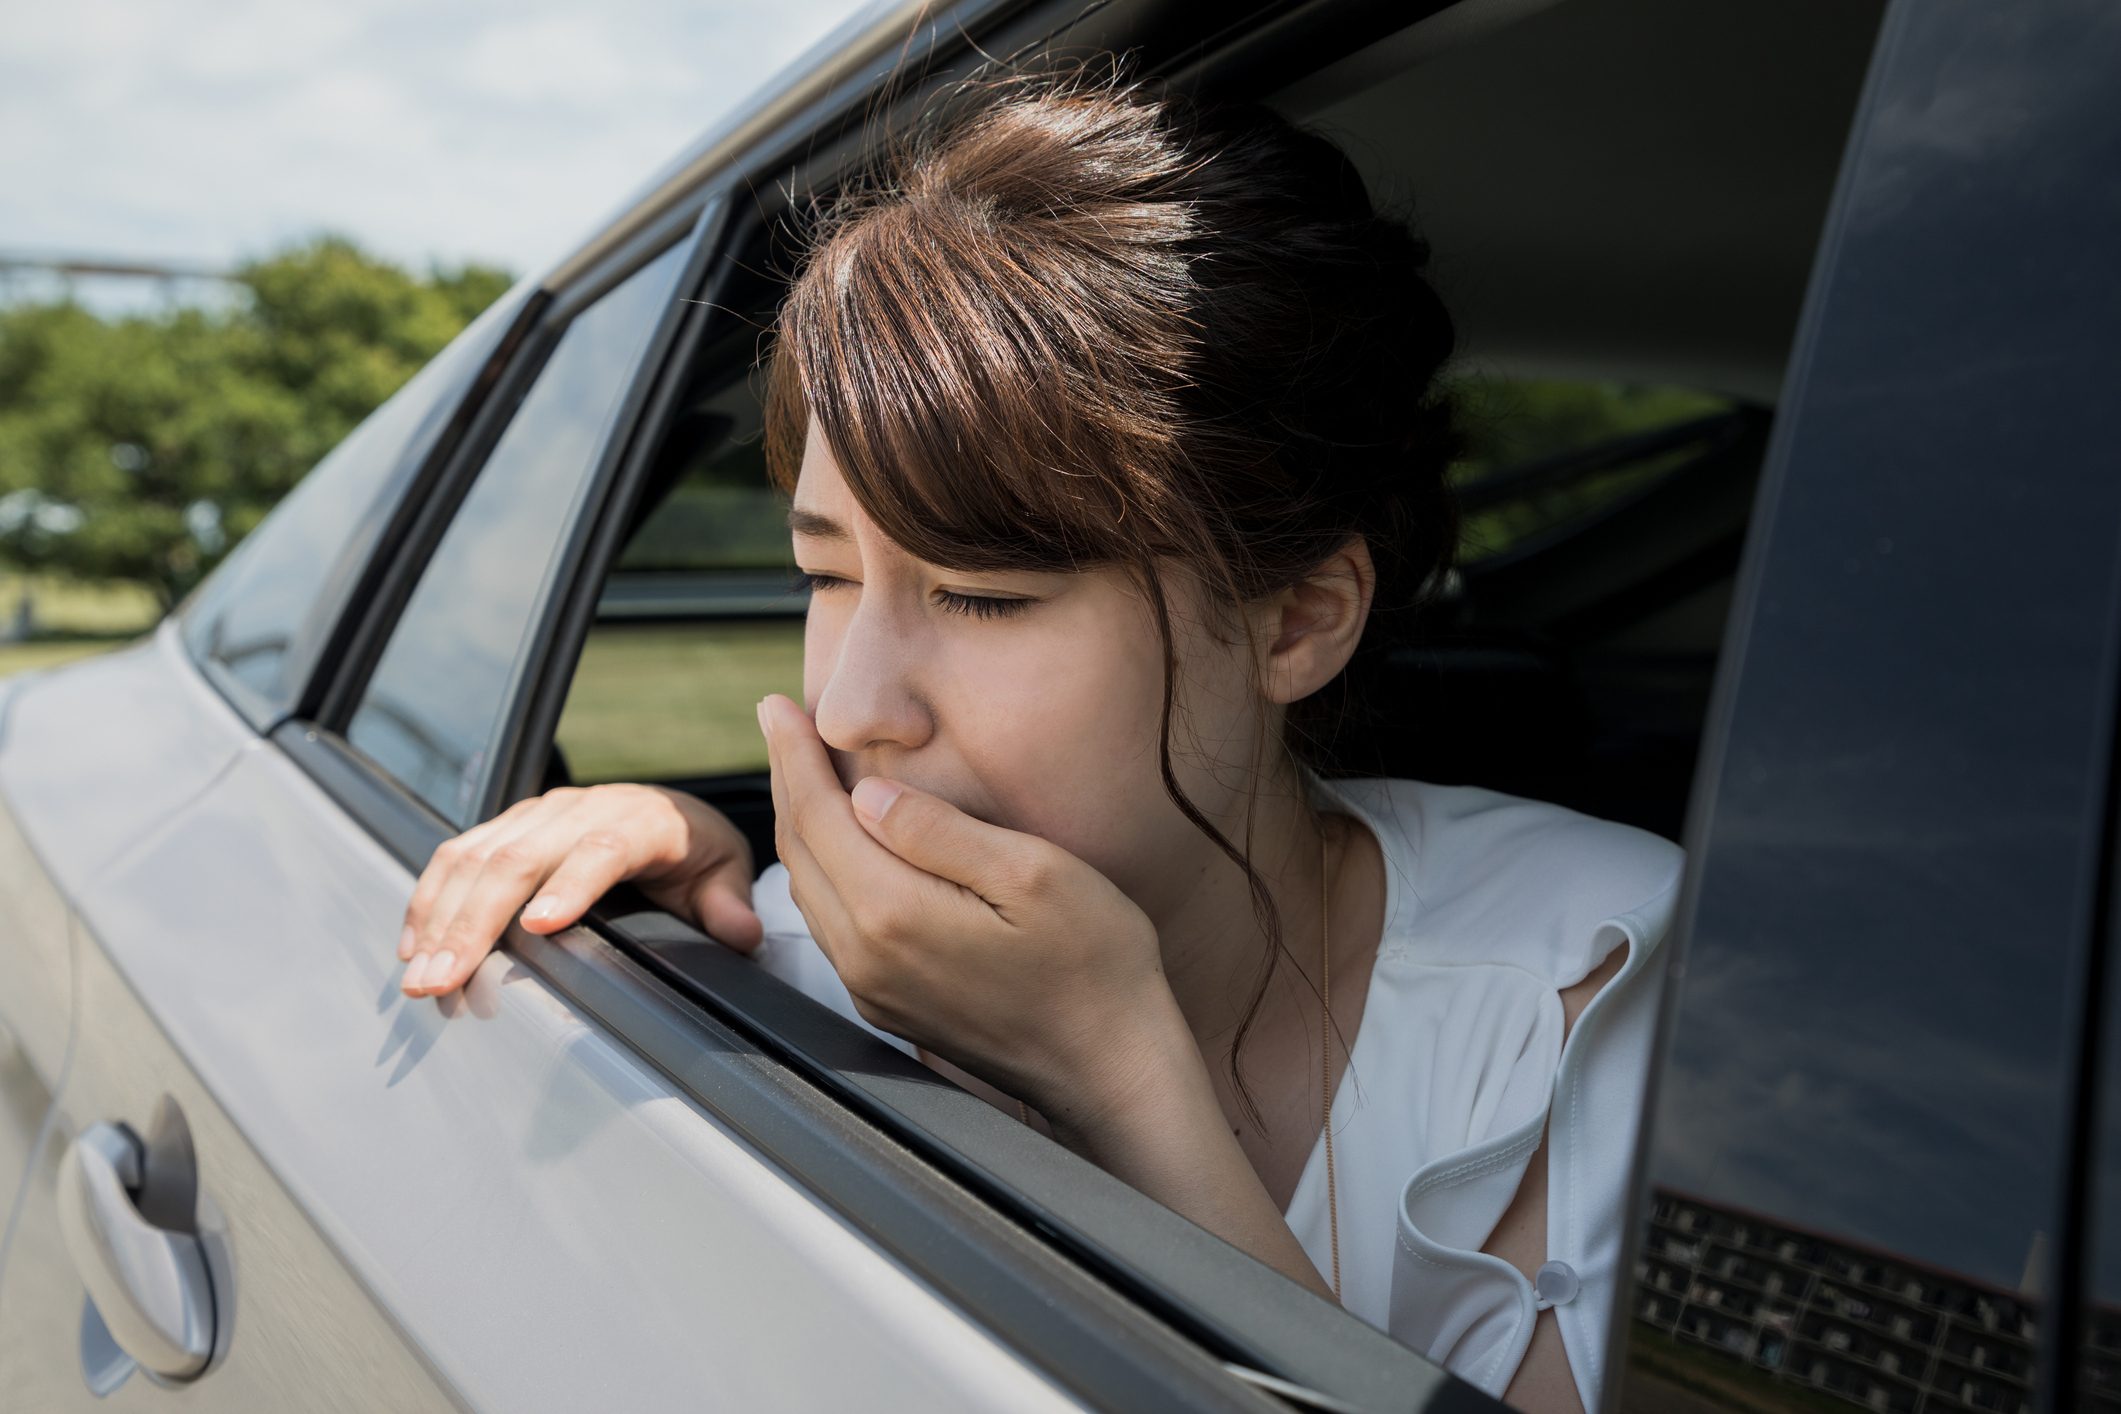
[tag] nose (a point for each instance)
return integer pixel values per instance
(871, 696)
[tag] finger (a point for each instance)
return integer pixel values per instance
(869, 900)
(808, 797)
(722, 903)
(510, 874)
(588, 863)
(474, 908)
(865, 949)
(776, 783)
(820, 904)
(457, 861)
(1004, 867)
(438, 874)
(808, 885)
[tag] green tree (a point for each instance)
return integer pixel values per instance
(142, 448)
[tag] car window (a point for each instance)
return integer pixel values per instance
(1545, 454)
(1866, 1107)
(1884, 938)
(696, 622)
(436, 696)
(255, 624)
(1570, 652)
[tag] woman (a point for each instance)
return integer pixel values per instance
(1113, 448)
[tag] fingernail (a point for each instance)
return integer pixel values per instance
(445, 962)
(405, 940)
(765, 724)
(415, 975)
(874, 795)
(540, 909)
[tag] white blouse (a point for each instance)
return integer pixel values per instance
(1493, 905)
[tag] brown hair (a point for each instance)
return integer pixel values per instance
(1068, 322)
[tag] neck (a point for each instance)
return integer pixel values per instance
(1214, 948)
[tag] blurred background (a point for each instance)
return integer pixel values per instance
(229, 231)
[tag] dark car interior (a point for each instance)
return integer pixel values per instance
(1623, 195)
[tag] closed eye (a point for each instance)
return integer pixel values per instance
(807, 583)
(978, 606)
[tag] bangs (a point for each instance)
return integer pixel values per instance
(1000, 390)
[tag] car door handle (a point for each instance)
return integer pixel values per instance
(149, 1284)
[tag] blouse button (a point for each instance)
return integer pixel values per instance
(1556, 1284)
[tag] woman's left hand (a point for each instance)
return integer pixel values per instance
(997, 950)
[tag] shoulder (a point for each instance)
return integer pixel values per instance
(1496, 877)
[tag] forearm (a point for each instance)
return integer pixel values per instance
(1160, 1128)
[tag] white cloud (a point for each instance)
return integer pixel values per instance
(497, 130)
(569, 60)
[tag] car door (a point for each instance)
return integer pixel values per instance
(1861, 1163)
(260, 619)
(36, 1004)
(356, 1200)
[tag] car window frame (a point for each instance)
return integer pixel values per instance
(680, 237)
(2086, 1221)
(402, 561)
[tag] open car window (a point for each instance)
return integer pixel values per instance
(697, 620)
(1546, 456)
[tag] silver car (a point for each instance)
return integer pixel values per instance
(627, 1169)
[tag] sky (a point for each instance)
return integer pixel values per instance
(502, 131)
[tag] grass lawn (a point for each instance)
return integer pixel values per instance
(73, 619)
(73, 608)
(652, 702)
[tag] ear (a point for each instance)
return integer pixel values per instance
(1306, 633)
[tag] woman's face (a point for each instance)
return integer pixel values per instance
(1030, 700)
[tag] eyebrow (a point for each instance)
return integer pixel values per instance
(821, 527)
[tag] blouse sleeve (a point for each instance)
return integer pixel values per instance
(1473, 1107)
(1474, 1312)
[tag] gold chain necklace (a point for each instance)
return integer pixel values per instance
(1325, 1002)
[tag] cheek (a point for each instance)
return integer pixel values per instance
(1057, 721)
